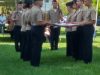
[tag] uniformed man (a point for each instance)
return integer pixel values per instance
(16, 17)
(69, 34)
(23, 32)
(72, 32)
(36, 18)
(88, 30)
(54, 16)
(80, 11)
(26, 31)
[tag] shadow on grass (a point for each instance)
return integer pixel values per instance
(6, 39)
(96, 54)
(97, 34)
(59, 57)
(48, 57)
(56, 57)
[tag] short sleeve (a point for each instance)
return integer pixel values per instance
(93, 15)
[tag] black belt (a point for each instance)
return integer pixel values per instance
(88, 25)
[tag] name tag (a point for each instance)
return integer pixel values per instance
(34, 24)
(55, 26)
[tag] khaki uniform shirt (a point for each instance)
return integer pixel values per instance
(35, 15)
(90, 14)
(23, 26)
(54, 16)
(27, 20)
(69, 17)
(16, 17)
(78, 16)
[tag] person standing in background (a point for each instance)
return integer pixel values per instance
(54, 15)
(16, 17)
(3, 21)
(70, 31)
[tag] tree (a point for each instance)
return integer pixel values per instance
(62, 4)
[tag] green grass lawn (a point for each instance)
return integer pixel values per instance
(52, 62)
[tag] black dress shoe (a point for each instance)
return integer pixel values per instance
(18, 50)
(35, 65)
(56, 48)
(26, 59)
(52, 48)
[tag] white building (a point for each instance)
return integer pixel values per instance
(47, 5)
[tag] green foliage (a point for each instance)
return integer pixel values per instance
(63, 7)
(10, 5)
(99, 9)
(7, 6)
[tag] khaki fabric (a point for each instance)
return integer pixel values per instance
(54, 15)
(36, 15)
(90, 14)
(16, 17)
(27, 20)
(23, 26)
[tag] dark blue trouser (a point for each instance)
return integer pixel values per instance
(88, 31)
(23, 44)
(26, 45)
(54, 37)
(70, 38)
(37, 33)
(17, 37)
(78, 43)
